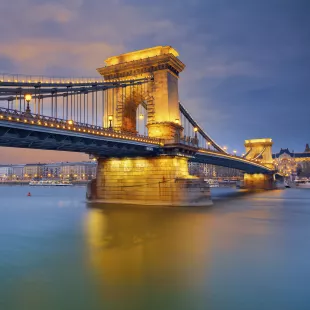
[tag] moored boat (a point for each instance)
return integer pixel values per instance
(49, 183)
(212, 183)
(302, 183)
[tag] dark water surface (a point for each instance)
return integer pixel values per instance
(248, 251)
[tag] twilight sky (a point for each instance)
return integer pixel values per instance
(248, 61)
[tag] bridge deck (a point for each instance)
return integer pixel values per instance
(27, 130)
(31, 131)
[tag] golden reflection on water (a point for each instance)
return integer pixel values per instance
(132, 258)
(146, 254)
(148, 248)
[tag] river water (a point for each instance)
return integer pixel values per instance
(248, 251)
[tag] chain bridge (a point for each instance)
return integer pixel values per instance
(130, 118)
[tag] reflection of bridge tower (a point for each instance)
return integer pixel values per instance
(159, 95)
(131, 249)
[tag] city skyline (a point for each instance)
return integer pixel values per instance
(57, 170)
(247, 63)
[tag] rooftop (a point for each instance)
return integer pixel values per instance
(141, 54)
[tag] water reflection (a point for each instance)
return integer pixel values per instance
(248, 251)
(149, 252)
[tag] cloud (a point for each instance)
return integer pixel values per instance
(73, 34)
(230, 50)
(36, 55)
(52, 12)
(26, 14)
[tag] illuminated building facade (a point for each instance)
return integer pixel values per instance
(5, 172)
(78, 170)
(17, 172)
(291, 163)
(74, 171)
(33, 171)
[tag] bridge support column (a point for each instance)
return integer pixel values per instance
(161, 181)
(259, 181)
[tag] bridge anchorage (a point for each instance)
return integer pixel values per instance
(131, 120)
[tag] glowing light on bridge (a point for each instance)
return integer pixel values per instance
(110, 118)
(28, 97)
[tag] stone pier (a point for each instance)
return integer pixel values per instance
(158, 181)
(259, 181)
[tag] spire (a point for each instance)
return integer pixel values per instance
(307, 150)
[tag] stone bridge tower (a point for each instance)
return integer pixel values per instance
(160, 96)
(260, 150)
(162, 179)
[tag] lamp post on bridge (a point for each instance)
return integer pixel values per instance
(177, 135)
(196, 142)
(110, 121)
(28, 97)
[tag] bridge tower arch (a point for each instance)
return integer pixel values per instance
(127, 105)
(162, 66)
(261, 150)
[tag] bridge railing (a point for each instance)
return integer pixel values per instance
(29, 118)
(22, 78)
(185, 140)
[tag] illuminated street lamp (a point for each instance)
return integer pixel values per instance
(196, 141)
(177, 121)
(70, 122)
(28, 97)
(225, 148)
(209, 143)
(235, 152)
(195, 130)
(110, 121)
